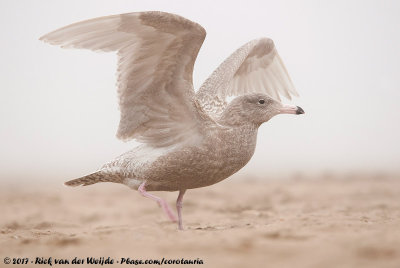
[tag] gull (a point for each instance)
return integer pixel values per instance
(188, 139)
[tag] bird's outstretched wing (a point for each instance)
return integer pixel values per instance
(254, 67)
(156, 54)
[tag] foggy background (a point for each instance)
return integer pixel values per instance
(59, 112)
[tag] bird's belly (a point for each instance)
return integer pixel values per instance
(193, 168)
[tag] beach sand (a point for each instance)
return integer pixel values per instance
(350, 222)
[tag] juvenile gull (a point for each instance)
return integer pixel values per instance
(189, 140)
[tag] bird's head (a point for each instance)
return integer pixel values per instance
(256, 108)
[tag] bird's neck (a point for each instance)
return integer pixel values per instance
(238, 130)
(236, 143)
(233, 117)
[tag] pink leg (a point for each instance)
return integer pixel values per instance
(179, 208)
(159, 201)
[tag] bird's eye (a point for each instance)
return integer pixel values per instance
(261, 101)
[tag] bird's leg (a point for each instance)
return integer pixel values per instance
(164, 205)
(179, 208)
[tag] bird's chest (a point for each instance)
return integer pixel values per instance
(226, 153)
(221, 155)
(236, 150)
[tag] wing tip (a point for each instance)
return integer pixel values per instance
(48, 39)
(44, 38)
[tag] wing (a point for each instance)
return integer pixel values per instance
(156, 54)
(254, 67)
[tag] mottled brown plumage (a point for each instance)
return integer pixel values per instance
(190, 140)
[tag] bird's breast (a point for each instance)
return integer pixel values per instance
(216, 158)
(237, 149)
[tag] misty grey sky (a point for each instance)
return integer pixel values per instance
(59, 112)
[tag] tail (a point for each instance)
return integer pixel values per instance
(96, 177)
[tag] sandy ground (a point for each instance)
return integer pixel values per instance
(291, 223)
